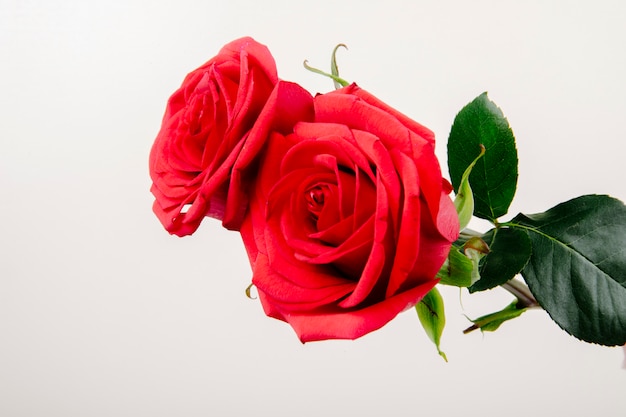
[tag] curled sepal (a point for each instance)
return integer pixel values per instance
(457, 270)
(464, 200)
(335, 78)
(249, 292)
(334, 69)
(475, 249)
(432, 316)
(491, 322)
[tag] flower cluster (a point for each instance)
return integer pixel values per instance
(338, 197)
(347, 220)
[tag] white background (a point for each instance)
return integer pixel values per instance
(102, 313)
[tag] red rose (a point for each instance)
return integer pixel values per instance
(205, 133)
(349, 220)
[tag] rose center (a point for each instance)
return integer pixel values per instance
(315, 197)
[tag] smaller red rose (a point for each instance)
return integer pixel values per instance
(205, 133)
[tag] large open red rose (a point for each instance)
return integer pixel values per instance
(205, 132)
(349, 219)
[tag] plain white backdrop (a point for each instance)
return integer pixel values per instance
(102, 313)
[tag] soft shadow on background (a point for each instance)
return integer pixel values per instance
(102, 313)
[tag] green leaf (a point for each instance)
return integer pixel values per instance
(494, 178)
(491, 322)
(509, 251)
(464, 199)
(432, 316)
(577, 270)
(456, 270)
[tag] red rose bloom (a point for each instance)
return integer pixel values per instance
(349, 219)
(205, 134)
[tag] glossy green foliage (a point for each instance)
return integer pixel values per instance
(577, 270)
(494, 177)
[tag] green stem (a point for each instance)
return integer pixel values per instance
(525, 298)
(469, 233)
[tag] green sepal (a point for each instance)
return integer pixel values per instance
(335, 78)
(431, 314)
(475, 249)
(462, 267)
(334, 69)
(491, 322)
(249, 291)
(464, 199)
(457, 270)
